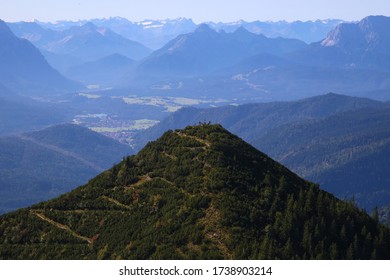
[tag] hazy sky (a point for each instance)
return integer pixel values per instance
(198, 10)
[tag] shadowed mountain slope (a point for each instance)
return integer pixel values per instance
(44, 164)
(23, 68)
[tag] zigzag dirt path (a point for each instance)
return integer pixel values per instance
(200, 140)
(116, 202)
(60, 226)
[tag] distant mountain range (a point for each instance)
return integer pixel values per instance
(156, 33)
(23, 69)
(265, 69)
(328, 139)
(41, 165)
(205, 50)
(86, 42)
(196, 193)
(241, 63)
(78, 44)
(151, 33)
(307, 31)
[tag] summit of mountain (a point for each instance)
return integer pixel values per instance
(204, 27)
(196, 193)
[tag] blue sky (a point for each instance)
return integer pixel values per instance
(198, 10)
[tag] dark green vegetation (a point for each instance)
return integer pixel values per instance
(340, 142)
(44, 164)
(197, 193)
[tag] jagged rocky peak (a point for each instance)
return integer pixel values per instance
(370, 33)
(344, 34)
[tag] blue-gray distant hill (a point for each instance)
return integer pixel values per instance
(267, 77)
(24, 69)
(20, 113)
(41, 165)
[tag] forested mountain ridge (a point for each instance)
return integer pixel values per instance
(197, 193)
(340, 142)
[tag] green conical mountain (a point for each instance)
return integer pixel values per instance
(197, 193)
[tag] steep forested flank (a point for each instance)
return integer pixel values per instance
(346, 153)
(197, 193)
